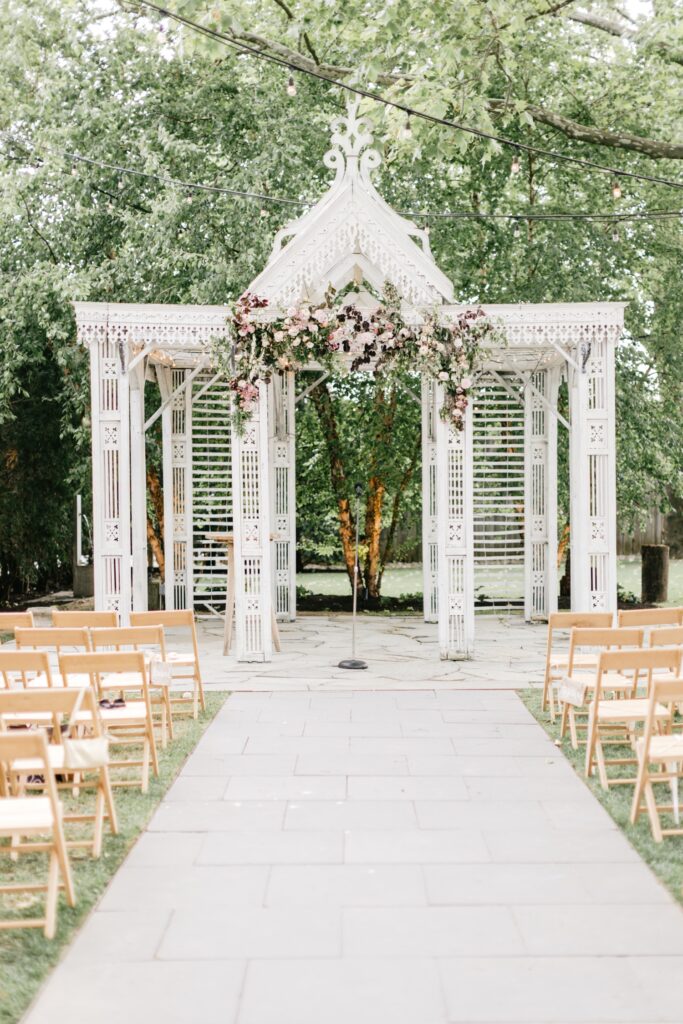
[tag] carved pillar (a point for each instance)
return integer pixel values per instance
(251, 508)
(540, 494)
(430, 545)
(282, 472)
(593, 475)
(455, 535)
(111, 473)
(138, 486)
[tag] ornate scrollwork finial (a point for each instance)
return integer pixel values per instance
(351, 141)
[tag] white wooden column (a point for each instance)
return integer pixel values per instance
(176, 432)
(138, 486)
(430, 544)
(593, 476)
(540, 494)
(251, 528)
(282, 474)
(111, 474)
(455, 535)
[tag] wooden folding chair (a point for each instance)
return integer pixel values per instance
(130, 722)
(83, 758)
(79, 619)
(24, 818)
(625, 713)
(185, 664)
(580, 676)
(10, 620)
(556, 661)
(25, 669)
(660, 760)
(646, 617)
(150, 640)
(56, 640)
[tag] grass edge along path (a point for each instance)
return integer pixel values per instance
(26, 956)
(664, 859)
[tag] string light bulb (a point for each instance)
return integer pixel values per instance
(517, 230)
(291, 86)
(616, 189)
(515, 166)
(406, 130)
(263, 212)
(615, 234)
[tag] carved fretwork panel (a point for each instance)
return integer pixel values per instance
(282, 468)
(430, 545)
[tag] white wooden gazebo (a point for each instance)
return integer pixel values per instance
(489, 491)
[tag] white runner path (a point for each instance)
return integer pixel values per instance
(407, 857)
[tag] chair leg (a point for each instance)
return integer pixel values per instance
(51, 896)
(105, 783)
(652, 812)
(64, 864)
(144, 782)
(153, 748)
(199, 685)
(572, 728)
(602, 767)
(590, 745)
(99, 822)
(169, 712)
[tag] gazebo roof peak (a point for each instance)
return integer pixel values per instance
(352, 231)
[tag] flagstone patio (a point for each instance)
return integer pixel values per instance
(401, 652)
(414, 856)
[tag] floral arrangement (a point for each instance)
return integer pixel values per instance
(381, 342)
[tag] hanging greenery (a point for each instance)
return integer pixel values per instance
(350, 339)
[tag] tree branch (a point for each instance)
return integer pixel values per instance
(304, 35)
(35, 230)
(570, 128)
(599, 136)
(613, 28)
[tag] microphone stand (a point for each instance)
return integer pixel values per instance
(353, 662)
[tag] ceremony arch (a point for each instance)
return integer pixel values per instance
(218, 479)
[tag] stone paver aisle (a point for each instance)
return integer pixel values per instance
(376, 858)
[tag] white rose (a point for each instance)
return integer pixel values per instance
(466, 382)
(443, 375)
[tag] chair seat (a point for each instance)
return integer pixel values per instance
(634, 710)
(24, 717)
(663, 748)
(582, 660)
(611, 681)
(129, 681)
(133, 712)
(79, 681)
(25, 814)
(181, 657)
(55, 754)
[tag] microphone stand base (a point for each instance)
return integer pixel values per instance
(352, 663)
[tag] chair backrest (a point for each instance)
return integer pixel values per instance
(668, 692)
(80, 619)
(565, 621)
(10, 620)
(650, 616)
(602, 638)
(105, 669)
(60, 702)
(643, 659)
(52, 638)
(26, 665)
(667, 636)
(22, 744)
(129, 636)
(173, 618)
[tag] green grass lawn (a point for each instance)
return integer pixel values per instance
(510, 584)
(666, 858)
(27, 956)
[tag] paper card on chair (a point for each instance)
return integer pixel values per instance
(161, 672)
(572, 691)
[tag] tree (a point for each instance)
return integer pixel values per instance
(81, 78)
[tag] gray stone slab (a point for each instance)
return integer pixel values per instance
(272, 848)
(287, 787)
(252, 933)
(173, 887)
(440, 787)
(430, 932)
(141, 993)
(416, 847)
(346, 885)
(344, 815)
(601, 930)
(219, 816)
(345, 991)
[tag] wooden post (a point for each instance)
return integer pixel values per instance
(654, 573)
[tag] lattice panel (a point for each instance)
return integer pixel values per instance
(538, 417)
(499, 492)
(181, 501)
(597, 436)
(211, 490)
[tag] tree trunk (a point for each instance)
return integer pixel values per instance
(155, 537)
(654, 579)
(373, 534)
(322, 402)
